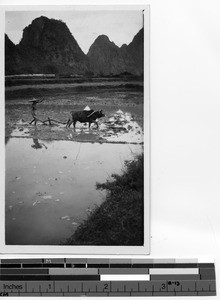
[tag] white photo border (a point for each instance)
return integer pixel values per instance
(81, 250)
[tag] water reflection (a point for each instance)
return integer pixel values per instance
(48, 193)
(38, 145)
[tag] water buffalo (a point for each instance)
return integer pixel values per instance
(85, 116)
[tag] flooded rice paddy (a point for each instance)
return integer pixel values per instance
(51, 185)
(116, 127)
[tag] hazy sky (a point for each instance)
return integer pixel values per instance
(85, 26)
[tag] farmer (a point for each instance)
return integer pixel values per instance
(34, 108)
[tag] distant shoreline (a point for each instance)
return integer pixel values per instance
(32, 89)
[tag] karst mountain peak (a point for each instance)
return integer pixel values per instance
(48, 46)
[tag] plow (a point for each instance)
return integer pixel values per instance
(49, 121)
(36, 119)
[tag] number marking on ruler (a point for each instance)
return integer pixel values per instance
(106, 277)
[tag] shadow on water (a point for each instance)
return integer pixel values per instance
(49, 192)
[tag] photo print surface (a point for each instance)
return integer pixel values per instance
(75, 129)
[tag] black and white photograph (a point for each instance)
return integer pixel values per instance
(76, 127)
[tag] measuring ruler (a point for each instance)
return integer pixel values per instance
(106, 277)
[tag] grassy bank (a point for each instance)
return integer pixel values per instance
(30, 80)
(30, 91)
(119, 219)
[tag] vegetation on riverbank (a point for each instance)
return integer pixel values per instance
(19, 80)
(119, 220)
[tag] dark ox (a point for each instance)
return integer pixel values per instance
(85, 116)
